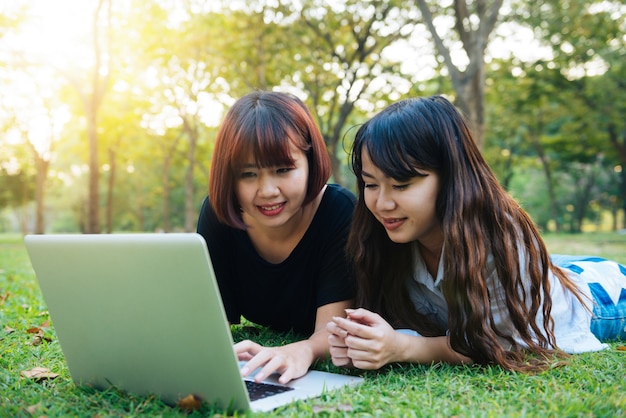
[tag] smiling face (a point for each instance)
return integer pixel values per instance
(406, 208)
(272, 197)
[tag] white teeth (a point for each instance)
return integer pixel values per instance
(268, 208)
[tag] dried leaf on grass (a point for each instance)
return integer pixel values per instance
(190, 403)
(32, 409)
(621, 348)
(9, 330)
(39, 335)
(34, 330)
(4, 297)
(39, 374)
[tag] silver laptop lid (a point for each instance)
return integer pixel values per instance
(141, 312)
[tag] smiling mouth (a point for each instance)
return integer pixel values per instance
(392, 223)
(271, 210)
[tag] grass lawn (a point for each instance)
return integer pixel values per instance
(591, 384)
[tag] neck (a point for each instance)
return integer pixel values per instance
(430, 251)
(431, 255)
(283, 232)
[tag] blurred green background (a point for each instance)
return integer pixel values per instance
(109, 110)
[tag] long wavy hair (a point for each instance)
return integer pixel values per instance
(479, 218)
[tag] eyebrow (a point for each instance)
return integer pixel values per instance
(366, 174)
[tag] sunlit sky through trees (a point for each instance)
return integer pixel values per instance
(138, 88)
(58, 33)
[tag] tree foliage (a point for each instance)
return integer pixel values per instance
(135, 118)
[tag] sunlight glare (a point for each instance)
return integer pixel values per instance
(58, 32)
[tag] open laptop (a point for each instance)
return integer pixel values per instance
(143, 313)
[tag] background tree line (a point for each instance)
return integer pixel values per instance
(114, 131)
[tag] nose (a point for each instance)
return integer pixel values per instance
(267, 186)
(384, 200)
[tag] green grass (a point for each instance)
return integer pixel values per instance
(609, 245)
(590, 385)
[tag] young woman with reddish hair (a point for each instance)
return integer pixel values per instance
(449, 267)
(276, 231)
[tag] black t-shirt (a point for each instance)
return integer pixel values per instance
(284, 296)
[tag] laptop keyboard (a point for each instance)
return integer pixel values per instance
(260, 390)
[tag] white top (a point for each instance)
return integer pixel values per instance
(571, 318)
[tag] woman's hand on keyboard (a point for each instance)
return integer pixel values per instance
(290, 361)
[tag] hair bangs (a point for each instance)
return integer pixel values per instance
(263, 143)
(391, 153)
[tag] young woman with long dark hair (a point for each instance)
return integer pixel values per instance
(440, 249)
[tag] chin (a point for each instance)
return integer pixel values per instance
(400, 239)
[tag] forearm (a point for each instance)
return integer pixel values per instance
(426, 350)
(313, 348)
(318, 341)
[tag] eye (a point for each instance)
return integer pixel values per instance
(400, 186)
(370, 186)
(247, 174)
(283, 170)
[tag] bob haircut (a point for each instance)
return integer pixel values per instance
(265, 124)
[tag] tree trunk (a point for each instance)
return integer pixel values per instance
(93, 199)
(165, 199)
(41, 169)
(545, 164)
(623, 195)
(190, 207)
(619, 143)
(336, 165)
(110, 188)
(42, 175)
(586, 183)
(469, 84)
(92, 104)
(165, 181)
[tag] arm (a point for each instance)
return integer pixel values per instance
(334, 290)
(292, 360)
(367, 341)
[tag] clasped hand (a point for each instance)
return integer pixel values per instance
(364, 340)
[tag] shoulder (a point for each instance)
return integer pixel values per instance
(337, 197)
(336, 208)
(206, 211)
(208, 224)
